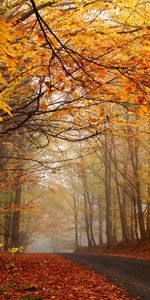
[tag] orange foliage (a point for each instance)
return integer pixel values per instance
(54, 277)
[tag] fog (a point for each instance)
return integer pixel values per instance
(43, 244)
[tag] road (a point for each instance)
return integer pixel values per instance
(131, 274)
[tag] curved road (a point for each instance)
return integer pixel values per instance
(131, 274)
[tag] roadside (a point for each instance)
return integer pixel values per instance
(49, 276)
(131, 249)
(128, 273)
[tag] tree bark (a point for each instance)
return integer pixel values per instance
(15, 241)
(108, 200)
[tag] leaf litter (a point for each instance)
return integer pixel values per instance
(50, 276)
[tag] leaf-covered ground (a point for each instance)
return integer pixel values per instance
(49, 276)
(131, 249)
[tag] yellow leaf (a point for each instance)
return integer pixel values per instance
(2, 80)
(12, 61)
(146, 108)
(5, 108)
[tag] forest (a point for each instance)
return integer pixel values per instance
(74, 149)
(74, 123)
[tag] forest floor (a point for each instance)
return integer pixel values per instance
(50, 276)
(131, 249)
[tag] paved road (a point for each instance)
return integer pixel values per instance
(128, 273)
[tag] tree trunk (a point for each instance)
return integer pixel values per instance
(148, 202)
(91, 218)
(108, 191)
(76, 220)
(7, 226)
(121, 196)
(15, 241)
(132, 224)
(88, 211)
(134, 154)
(100, 224)
(87, 221)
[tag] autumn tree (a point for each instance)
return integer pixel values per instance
(72, 71)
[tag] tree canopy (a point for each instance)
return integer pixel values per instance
(71, 71)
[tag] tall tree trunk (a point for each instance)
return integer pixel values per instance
(7, 225)
(148, 220)
(136, 169)
(76, 220)
(8, 199)
(16, 218)
(87, 221)
(88, 208)
(15, 241)
(91, 218)
(108, 191)
(132, 224)
(100, 223)
(114, 234)
(148, 202)
(125, 227)
(134, 154)
(135, 218)
(120, 195)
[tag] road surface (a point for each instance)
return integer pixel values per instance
(131, 274)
